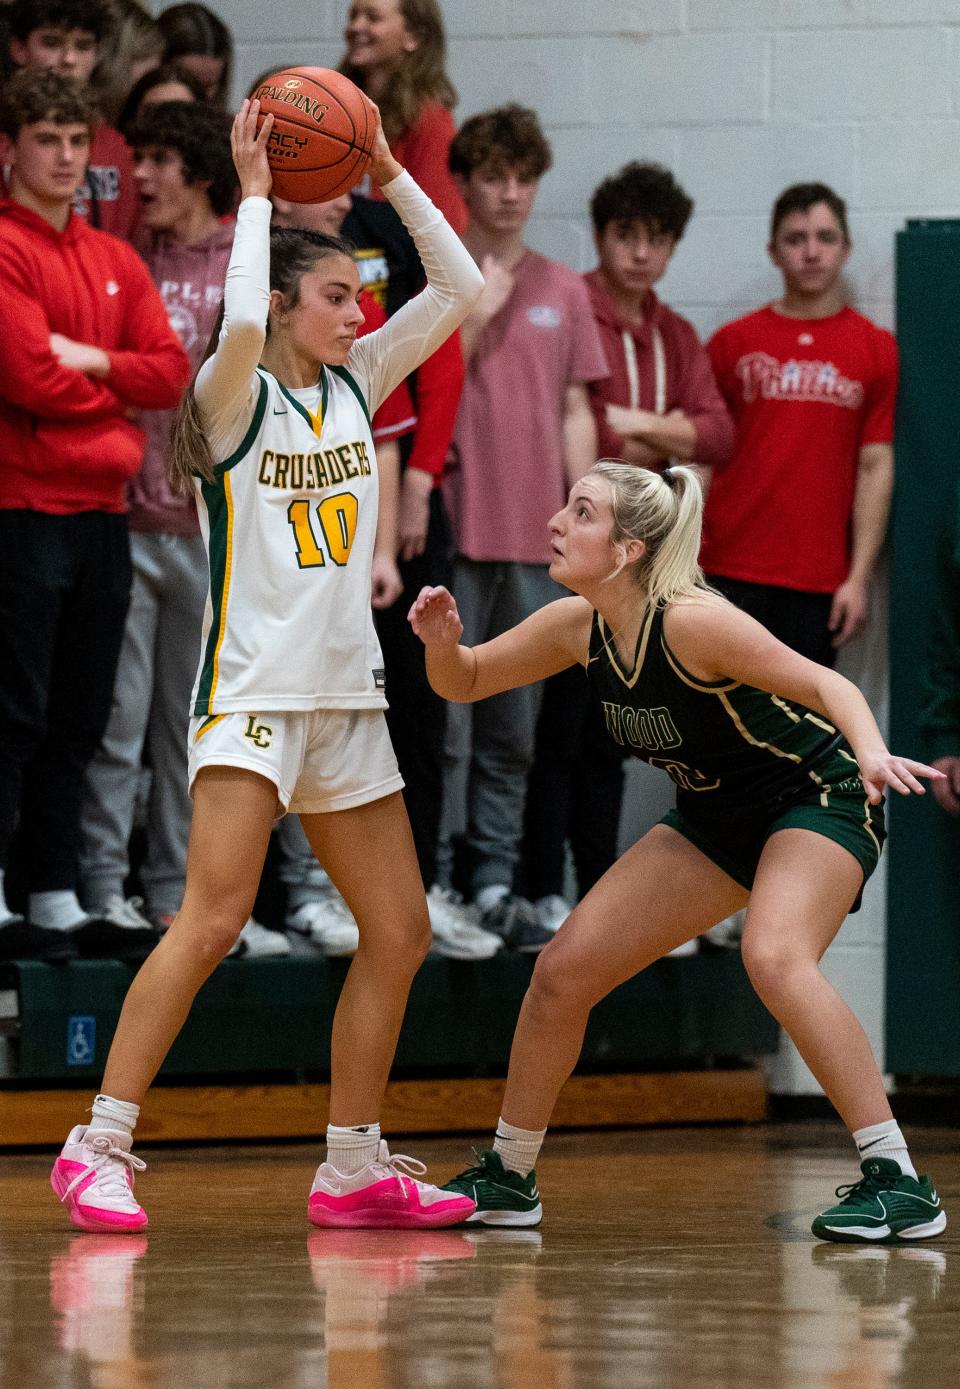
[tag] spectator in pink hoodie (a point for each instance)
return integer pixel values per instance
(186, 181)
(659, 402)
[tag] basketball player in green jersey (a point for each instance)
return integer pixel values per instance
(780, 771)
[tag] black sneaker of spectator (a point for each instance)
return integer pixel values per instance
(21, 940)
(517, 922)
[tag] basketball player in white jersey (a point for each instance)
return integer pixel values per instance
(288, 703)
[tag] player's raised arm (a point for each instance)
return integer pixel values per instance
(225, 380)
(454, 283)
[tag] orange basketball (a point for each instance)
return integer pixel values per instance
(322, 136)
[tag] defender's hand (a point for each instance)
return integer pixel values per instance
(435, 619)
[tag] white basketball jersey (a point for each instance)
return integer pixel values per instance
(289, 523)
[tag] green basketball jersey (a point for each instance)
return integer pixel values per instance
(722, 743)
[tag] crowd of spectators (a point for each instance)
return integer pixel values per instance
(115, 233)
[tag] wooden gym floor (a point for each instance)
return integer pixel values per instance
(670, 1258)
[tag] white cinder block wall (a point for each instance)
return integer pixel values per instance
(739, 98)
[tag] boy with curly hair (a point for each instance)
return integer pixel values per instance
(63, 37)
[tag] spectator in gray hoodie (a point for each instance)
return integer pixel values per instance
(186, 181)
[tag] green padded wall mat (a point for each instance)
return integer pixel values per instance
(273, 1017)
(923, 975)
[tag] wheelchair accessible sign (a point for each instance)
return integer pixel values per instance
(81, 1040)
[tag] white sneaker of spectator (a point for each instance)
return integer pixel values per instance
(327, 922)
(553, 911)
(457, 932)
(727, 933)
(257, 942)
(124, 911)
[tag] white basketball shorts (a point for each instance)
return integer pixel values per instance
(319, 760)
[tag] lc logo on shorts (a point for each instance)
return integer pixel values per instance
(258, 733)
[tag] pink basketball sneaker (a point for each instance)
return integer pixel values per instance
(384, 1195)
(93, 1177)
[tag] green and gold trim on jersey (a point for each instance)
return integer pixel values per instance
(246, 443)
(315, 421)
(694, 681)
(631, 676)
(868, 819)
(345, 376)
(218, 498)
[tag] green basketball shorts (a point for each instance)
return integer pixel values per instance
(734, 837)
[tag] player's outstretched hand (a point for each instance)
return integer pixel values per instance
(250, 151)
(435, 619)
(899, 773)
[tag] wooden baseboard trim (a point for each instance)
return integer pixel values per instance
(258, 1112)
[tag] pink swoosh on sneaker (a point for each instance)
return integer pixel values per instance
(389, 1205)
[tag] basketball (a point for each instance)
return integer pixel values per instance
(323, 133)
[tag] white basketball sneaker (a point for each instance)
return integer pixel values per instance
(327, 921)
(457, 932)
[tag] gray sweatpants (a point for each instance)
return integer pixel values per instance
(151, 707)
(299, 870)
(490, 745)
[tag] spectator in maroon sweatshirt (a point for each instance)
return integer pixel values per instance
(187, 183)
(63, 36)
(85, 345)
(660, 401)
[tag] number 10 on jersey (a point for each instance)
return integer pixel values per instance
(337, 518)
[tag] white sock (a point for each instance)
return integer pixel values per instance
(113, 1116)
(57, 911)
(517, 1148)
(350, 1150)
(488, 897)
(4, 909)
(885, 1140)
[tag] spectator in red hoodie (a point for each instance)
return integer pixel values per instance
(63, 36)
(660, 401)
(85, 344)
(187, 183)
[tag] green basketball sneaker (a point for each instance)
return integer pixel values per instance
(502, 1197)
(883, 1206)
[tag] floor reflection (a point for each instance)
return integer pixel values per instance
(96, 1297)
(653, 1270)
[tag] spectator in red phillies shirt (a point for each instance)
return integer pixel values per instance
(794, 525)
(660, 401)
(62, 36)
(85, 344)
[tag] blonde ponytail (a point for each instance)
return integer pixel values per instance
(666, 513)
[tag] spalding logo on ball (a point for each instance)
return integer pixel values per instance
(323, 133)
